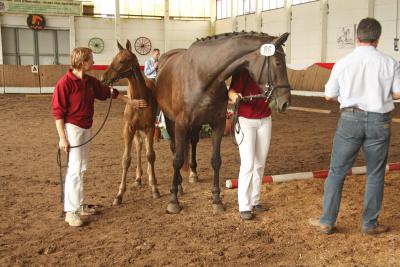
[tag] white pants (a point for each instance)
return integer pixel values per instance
(255, 135)
(77, 165)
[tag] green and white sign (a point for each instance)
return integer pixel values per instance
(42, 7)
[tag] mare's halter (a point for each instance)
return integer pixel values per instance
(267, 94)
(270, 86)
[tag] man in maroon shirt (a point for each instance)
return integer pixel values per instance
(73, 108)
(253, 139)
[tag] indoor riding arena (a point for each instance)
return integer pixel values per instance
(37, 39)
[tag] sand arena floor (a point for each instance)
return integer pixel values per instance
(140, 232)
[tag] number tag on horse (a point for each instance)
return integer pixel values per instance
(267, 50)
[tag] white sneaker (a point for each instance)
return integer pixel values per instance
(72, 218)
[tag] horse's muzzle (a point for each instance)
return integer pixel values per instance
(280, 103)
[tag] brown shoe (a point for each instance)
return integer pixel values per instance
(246, 215)
(325, 229)
(379, 229)
(86, 210)
(260, 208)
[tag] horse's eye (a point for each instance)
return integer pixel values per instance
(122, 61)
(278, 63)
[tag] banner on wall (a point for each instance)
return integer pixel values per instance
(304, 66)
(42, 7)
(345, 36)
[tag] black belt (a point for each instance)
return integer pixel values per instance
(352, 109)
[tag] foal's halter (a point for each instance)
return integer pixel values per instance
(131, 72)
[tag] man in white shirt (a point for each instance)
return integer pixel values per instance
(151, 64)
(365, 82)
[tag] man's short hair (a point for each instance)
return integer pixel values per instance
(156, 50)
(80, 55)
(369, 30)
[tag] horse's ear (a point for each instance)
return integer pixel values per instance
(128, 45)
(120, 46)
(281, 39)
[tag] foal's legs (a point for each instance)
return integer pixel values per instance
(217, 133)
(151, 158)
(137, 139)
(180, 143)
(126, 161)
(194, 139)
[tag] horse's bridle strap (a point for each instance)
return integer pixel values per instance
(125, 74)
(270, 85)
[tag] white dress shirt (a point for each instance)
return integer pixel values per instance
(366, 78)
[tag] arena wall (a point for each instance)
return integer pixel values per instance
(314, 29)
(312, 78)
(316, 26)
(306, 31)
(165, 35)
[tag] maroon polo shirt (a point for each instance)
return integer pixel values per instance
(256, 108)
(73, 99)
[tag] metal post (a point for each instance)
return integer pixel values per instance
(72, 38)
(166, 22)
(117, 24)
(324, 35)
(259, 15)
(288, 7)
(235, 26)
(213, 13)
(371, 8)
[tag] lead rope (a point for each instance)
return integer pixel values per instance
(235, 124)
(84, 143)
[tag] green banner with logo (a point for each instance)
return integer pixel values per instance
(42, 7)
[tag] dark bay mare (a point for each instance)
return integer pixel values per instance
(137, 122)
(191, 91)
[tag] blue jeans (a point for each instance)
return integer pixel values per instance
(355, 129)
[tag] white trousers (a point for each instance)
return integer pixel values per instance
(255, 135)
(77, 165)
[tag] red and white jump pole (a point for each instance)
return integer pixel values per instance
(322, 174)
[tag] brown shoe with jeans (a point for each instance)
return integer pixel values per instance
(379, 229)
(325, 229)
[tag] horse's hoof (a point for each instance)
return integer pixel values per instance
(137, 183)
(180, 190)
(117, 201)
(193, 178)
(173, 208)
(218, 208)
(156, 194)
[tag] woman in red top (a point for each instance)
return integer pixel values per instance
(253, 139)
(73, 107)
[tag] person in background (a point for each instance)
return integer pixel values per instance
(150, 70)
(73, 108)
(253, 140)
(365, 82)
(151, 65)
